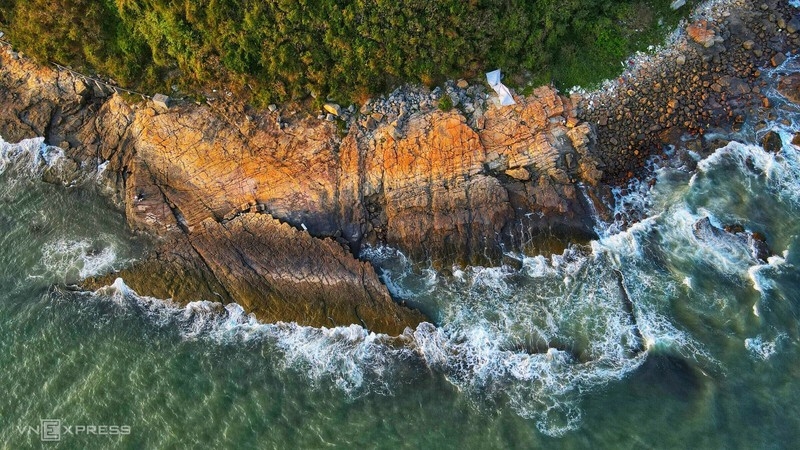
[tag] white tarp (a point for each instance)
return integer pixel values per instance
(493, 78)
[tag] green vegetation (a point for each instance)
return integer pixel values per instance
(277, 50)
(445, 103)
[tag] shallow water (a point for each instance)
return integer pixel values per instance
(657, 336)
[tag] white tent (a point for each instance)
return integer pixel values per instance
(493, 78)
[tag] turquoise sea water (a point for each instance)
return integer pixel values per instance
(660, 336)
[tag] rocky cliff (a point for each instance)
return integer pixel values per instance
(268, 208)
(269, 211)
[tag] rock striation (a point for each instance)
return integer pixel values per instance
(268, 208)
(268, 211)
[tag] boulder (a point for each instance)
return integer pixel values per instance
(161, 101)
(701, 33)
(519, 174)
(333, 108)
(789, 87)
(793, 25)
(772, 142)
(777, 59)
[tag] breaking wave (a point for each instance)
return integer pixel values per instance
(32, 155)
(83, 258)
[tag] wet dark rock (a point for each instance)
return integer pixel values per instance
(512, 261)
(777, 59)
(772, 142)
(729, 237)
(789, 87)
(793, 25)
(758, 246)
(735, 228)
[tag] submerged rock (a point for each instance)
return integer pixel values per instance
(730, 237)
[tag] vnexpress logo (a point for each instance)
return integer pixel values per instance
(50, 430)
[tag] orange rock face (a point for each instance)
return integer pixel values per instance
(431, 186)
(428, 183)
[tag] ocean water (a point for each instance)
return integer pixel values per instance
(661, 334)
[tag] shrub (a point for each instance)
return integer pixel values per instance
(445, 103)
(344, 50)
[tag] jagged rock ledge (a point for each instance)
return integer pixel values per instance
(269, 212)
(267, 208)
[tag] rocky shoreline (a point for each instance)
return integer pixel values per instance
(707, 80)
(267, 208)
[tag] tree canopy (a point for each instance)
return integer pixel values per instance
(281, 50)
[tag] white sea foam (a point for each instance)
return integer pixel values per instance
(780, 172)
(352, 358)
(763, 348)
(762, 278)
(31, 154)
(84, 257)
(478, 359)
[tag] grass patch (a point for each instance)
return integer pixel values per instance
(596, 51)
(445, 103)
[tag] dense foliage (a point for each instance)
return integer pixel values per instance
(345, 49)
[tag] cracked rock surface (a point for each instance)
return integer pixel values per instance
(269, 213)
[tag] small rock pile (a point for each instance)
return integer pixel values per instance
(396, 108)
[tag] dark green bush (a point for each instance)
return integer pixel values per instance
(445, 103)
(276, 50)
